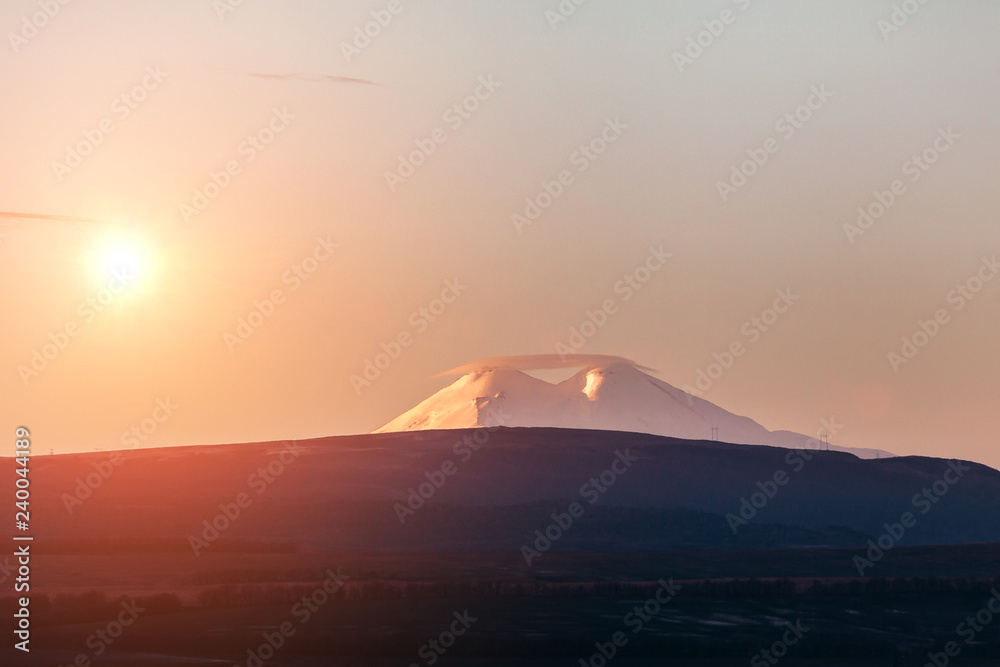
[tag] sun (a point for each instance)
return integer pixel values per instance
(122, 260)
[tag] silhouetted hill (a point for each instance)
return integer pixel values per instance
(346, 492)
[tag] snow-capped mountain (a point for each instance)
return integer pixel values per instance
(612, 397)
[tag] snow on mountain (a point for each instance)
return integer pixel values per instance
(611, 397)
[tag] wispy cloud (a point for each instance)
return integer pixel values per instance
(524, 362)
(7, 215)
(316, 78)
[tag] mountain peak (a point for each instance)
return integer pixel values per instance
(608, 393)
(590, 381)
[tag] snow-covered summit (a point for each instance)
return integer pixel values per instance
(614, 396)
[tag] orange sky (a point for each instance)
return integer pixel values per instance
(472, 181)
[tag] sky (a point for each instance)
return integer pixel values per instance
(263, 198)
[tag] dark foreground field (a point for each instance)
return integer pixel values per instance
(296, 554)
(387, 606)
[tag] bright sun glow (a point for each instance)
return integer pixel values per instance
(124, 260)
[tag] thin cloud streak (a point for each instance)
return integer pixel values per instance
(316, 78)
(7, 215)
(524, 362)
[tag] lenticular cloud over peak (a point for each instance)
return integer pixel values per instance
(524, 362)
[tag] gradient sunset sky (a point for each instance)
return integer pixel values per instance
(329, 122)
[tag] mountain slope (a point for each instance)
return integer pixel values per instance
(346, 493)
(614, 397)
